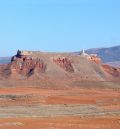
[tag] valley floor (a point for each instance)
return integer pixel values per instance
(61, 123)
(70, 108)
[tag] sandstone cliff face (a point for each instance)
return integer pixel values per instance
(26, 66)
(23, 66)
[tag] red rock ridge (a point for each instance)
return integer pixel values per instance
(111, 70)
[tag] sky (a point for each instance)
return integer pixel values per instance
(58, 25)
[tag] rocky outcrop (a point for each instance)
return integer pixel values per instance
(115, 72)
(26, 66)
(91, 57)
(95, 59)
(64, 63)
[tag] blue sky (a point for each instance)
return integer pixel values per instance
(58, 25)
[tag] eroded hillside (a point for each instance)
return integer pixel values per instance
(57, 66)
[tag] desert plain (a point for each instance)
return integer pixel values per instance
(59, 91)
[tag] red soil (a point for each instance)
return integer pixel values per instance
(61, 123)
(102, 97)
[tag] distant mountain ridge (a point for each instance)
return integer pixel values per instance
(110, 54)
(5, 60)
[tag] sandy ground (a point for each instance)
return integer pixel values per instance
(78, 108)
(61, 123)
